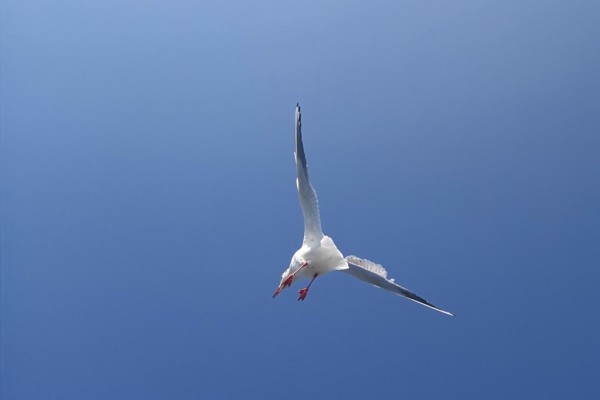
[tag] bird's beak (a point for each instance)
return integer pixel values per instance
(277, 291)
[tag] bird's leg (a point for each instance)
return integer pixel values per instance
(288, 280)
(303, 292)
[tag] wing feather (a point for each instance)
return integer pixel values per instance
(306, 192)
(376, 275)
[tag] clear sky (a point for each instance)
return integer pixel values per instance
(149, 205)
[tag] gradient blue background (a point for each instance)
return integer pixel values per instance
(149, 205)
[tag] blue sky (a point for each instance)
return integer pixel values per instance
(149, 206)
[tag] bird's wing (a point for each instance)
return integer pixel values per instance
(376, 275)
(306, 193)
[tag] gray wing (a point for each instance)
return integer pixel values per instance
(306, 193)
(376, 275)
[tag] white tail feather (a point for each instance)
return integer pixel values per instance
(368, 265)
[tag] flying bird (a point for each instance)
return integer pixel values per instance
(319, 254)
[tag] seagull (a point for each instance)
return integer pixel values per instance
(319, 254)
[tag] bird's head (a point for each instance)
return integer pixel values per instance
(286, 281)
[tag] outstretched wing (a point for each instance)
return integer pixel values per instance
(376, 275)
(306, 193)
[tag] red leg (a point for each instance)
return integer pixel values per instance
(304, 292)
(288, 281)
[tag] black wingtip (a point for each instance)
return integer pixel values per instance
(298, 113)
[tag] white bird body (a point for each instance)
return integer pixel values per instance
(320, 259)
(319, 254)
